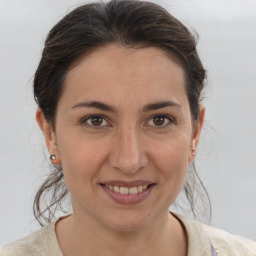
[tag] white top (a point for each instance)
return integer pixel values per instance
(203, 240)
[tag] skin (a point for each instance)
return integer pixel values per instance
(128, 145)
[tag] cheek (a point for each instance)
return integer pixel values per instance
(171, 162)
(81, 161)
(171, 158)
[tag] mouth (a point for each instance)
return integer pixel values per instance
(127, 194)
(127, 190)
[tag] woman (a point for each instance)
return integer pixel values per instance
(118, 91)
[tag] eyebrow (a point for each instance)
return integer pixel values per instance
(95, 104)
(159, 105)
(146, 108)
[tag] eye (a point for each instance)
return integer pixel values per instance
(95, 121)
(160, 121)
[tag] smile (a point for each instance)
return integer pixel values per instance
(128, 195)
(126, 190)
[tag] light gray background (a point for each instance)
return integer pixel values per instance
(227, 157)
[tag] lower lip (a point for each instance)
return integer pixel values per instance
(128, 199)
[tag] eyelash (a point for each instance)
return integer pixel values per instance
(84, 121)
(170, 120)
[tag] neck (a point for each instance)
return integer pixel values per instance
(80, 236)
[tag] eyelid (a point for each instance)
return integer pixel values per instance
(83, 121)
(171, 119)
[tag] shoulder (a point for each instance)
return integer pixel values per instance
(38, 243)
(223, 242)
(229, 244)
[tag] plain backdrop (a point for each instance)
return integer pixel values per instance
(227, 157)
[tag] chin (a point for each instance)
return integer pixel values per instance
(129, 221)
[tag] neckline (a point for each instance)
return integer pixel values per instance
(198, 243)
(52, 240)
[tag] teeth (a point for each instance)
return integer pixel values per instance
(126, 191)
(133, 190)
(116, 189)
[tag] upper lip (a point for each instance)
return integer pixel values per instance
(121, 183)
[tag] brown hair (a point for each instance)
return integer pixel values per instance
(130, 23)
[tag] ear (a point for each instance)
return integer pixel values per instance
(196, 135)
(49, 135)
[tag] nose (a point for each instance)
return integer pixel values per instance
(128, 154)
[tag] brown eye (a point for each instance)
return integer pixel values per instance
(96, 120)
(159, 120)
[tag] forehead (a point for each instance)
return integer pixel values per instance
(117, 72)
(123, 58)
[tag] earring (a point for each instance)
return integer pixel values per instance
(193, 151)
(52, 157)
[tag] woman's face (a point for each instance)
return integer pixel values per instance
(123, 136)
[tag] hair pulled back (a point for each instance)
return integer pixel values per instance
(129, 23)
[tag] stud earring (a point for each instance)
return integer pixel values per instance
(52, 157)
(193, 151)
